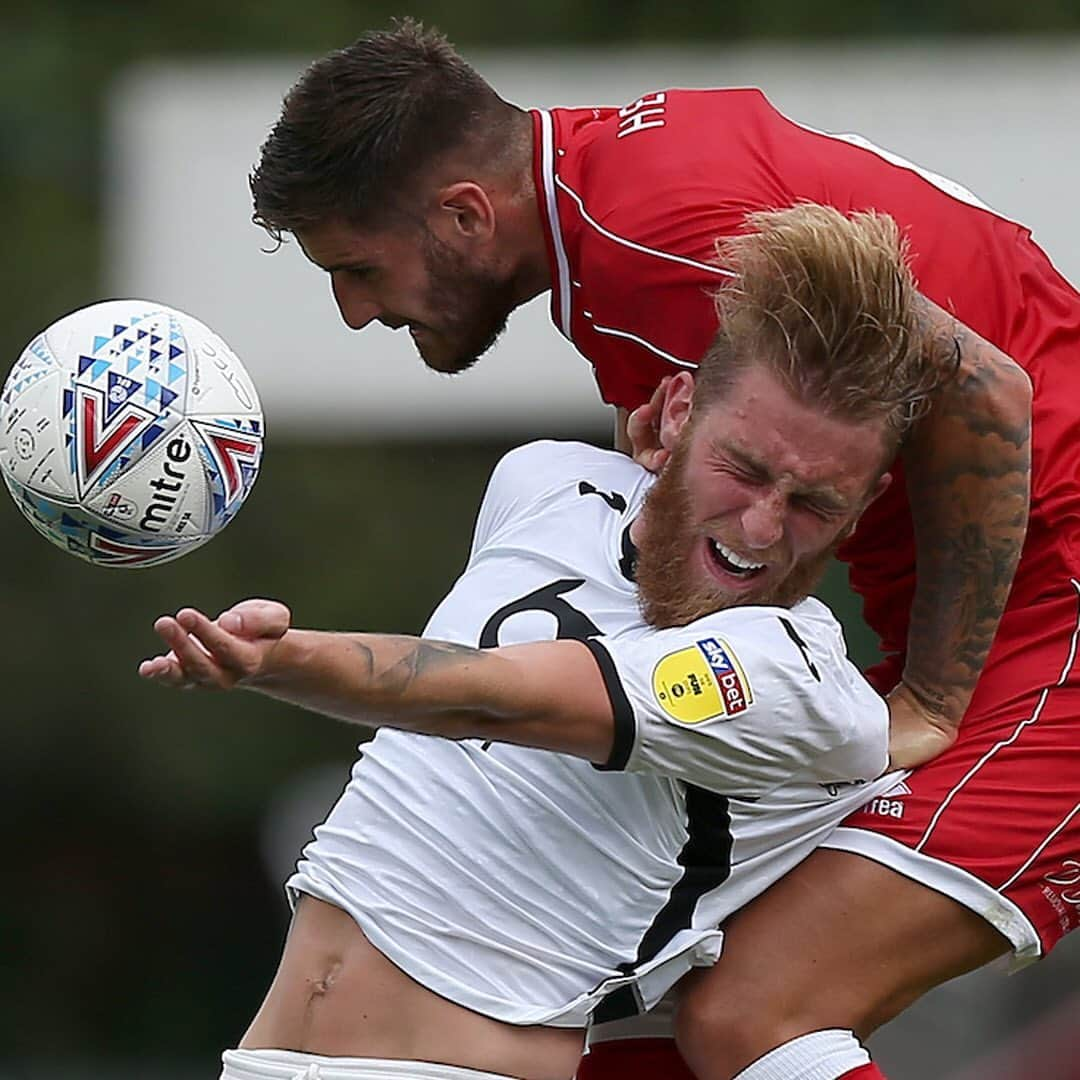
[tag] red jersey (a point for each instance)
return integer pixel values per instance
(633, 202)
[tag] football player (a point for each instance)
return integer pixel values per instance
(432, 202)
(651, 722)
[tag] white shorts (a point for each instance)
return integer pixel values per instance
(657, 1023)
(290, 1065)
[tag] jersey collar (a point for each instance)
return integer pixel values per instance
(544, 158)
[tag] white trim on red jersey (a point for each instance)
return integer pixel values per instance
(552, 183)
(658, 252)
(944, 184)
(1026, 722)
(1039, 850)
(654, 349)
(547, 169)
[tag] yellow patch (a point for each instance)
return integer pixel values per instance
(701, 682)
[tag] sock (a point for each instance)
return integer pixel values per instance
(634, 1059)
(821, 1055)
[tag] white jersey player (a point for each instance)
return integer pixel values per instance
(739, 741)
(650, 721)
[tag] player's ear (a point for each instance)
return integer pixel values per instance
(677, 408)
(463, 212)
(878, 489)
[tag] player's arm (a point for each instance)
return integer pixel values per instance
(968, 465)
(550, 695)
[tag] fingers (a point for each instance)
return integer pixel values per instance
(192, 661)
(165, 670)
(256, 619)
(209, 646)
(216, 653)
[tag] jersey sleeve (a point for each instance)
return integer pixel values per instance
(742, 702)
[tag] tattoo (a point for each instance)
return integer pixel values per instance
(410, 659)
(968, 469)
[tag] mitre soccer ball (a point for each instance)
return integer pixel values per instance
(129, 433)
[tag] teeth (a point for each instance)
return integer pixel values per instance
(735, 560)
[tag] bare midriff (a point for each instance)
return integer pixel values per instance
(335, 994)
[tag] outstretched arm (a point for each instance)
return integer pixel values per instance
(968, 466)
(548, 694)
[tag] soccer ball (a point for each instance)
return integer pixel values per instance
(129, 433)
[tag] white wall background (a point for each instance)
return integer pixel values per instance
(1004, 120)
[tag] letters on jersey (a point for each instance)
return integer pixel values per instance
(700, 683)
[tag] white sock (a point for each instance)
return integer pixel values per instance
(821, 1055)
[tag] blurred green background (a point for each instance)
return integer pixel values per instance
(139, 921)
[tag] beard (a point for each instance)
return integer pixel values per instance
(671, 590)
(472, 303)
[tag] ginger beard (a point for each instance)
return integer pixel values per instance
(472, 305)
(671, 591)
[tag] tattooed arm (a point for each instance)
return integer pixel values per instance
(968, 465)
(549, 694)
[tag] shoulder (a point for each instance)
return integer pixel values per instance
(536, 477)
(546, 463)
(684, 136)
(698, 148)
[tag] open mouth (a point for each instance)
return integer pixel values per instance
(731, 562)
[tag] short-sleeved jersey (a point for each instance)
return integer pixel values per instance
(534, 887)
(633, 201)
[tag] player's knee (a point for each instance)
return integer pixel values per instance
(727, 1019)
(720, 1026)
(724, 1023)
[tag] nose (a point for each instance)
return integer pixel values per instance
(354, 301)
(763, 521)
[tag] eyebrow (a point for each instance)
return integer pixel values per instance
(334, 268)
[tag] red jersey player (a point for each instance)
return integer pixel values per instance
(475, 206)
(631, 270)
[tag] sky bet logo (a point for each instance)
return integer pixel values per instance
(734, 689)
(702, 682)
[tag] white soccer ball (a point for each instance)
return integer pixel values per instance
(129, 433)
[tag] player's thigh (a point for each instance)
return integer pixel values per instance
(840, 941)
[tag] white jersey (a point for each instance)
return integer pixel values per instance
(536, 888)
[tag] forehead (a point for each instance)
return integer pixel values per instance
(760, 422)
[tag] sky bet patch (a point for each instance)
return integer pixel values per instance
(701, 683)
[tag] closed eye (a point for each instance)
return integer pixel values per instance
(825, 511)
(746, 476)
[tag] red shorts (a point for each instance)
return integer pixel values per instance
(994, 822)
(634, 1059)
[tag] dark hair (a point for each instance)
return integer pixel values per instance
(828, 302)
(363, 125)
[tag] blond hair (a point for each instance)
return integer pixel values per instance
(829, 304)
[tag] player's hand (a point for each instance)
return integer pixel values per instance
(643, 431)
(916, 734)
(219, 654)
